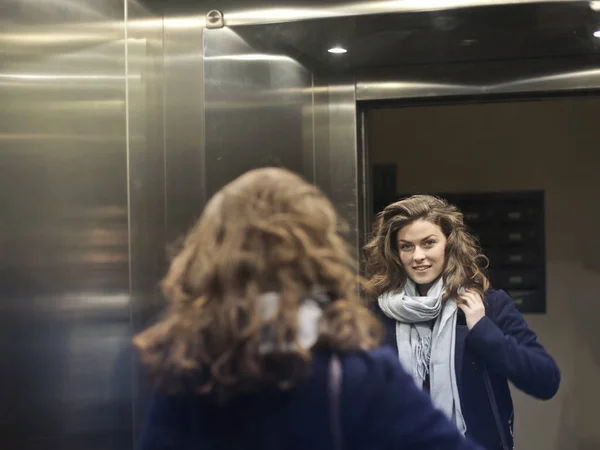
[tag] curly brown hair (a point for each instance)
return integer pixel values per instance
(464, 265)
(266, 231)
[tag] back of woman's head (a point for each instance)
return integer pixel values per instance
(267, 231)
(463, 257)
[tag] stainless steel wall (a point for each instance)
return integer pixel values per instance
(184, 123)
(147, 182)
(556, 75)
(267, 11)
(115, 128)
(65, 304)
(112, 139)
(263, 108)
(335, 150)
(82, 224)
(258, 110)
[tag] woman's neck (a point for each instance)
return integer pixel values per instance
(423, 289)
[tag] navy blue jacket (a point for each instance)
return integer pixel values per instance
(381, 408)
(503, 343)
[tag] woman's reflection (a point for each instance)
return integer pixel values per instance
(461, 340)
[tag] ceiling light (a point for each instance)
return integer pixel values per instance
(468, 42)
(597, 34)
(337, 50)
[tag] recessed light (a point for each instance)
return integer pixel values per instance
(597, 34)
(337, 50)
(469, 42)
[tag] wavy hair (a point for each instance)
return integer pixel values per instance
(266, 231)
(464, 265)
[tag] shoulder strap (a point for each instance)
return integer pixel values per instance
(335, 389)
(495, 410)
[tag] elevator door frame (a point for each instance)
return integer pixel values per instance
(365, 197)
(366, 202)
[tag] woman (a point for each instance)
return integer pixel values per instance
(461, 340)
(266, 345)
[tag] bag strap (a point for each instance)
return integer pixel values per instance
(495, 410)
(335, 389)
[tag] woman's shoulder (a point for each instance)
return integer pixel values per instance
(364, 374)
(496, 294)
(498, 303)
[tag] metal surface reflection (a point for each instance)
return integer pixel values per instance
(262, 117)
(184, 85)
(147, 182)
(292, 13)
(65, 240)
(265, 108)
(483, 79)
(336, 158)
(66, 227)
(117, 125)
(533, 33)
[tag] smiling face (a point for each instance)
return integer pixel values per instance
(422, 247)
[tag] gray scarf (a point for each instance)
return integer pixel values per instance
(309, 315)
(422, 349)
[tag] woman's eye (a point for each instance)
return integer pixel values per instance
(430, 243)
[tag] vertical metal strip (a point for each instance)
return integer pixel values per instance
(127, 146)
(204, 130)
(129, 234)
(165, 130)
(314, 129)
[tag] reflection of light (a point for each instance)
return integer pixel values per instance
(51, 38)
(59, 77)
(337, 50)
(249, 57)
(356, 8)
(273, 15)
(89, 301)
(181, 23)
(597, 34)
(46, 137)
(401, 85)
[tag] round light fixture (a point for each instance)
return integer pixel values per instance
(337, 50)
(597, 34)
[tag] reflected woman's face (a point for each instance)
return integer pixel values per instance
(422, 247)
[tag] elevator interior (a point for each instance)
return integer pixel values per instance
(120, 118)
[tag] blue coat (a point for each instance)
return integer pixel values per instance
(381, 408)
(503, 343)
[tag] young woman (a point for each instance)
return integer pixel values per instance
(265, 344)
(461, 341)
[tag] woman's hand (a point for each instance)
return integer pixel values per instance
(472, 307)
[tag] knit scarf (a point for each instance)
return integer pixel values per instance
(423, 349)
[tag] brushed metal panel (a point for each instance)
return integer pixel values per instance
(266, 13)
(64, 238)
(483, 79)
(147, 183)
(257, 110)
(336, 153)
(253, 12)
(37, 28)
(184, 124)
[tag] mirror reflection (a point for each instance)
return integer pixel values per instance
(449, 144)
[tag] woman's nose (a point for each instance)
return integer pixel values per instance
(418, 254)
